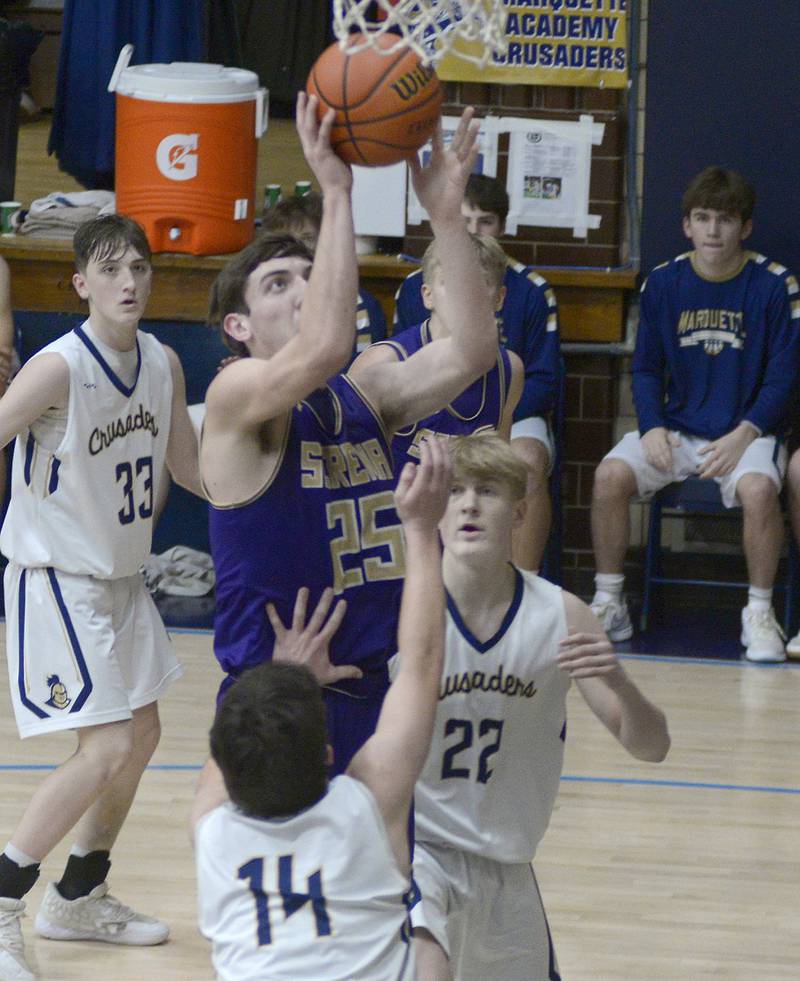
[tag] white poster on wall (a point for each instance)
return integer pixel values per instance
(485, 164)
(549, 168)
(379, 200)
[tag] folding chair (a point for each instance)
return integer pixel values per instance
(694, 496)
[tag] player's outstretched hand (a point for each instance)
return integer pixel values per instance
(315, 137)
(585, 655)
(441, 182)
(423, 489)
(307, 643)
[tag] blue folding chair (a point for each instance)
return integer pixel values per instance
(694, 496)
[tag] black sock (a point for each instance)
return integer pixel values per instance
(16, 880)
(83, 874)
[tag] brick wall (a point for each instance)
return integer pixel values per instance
(590, 411)
(593, 380)
(537, 246)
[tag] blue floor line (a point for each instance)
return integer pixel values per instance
(567, 778)
(717, 662)
(690, 784)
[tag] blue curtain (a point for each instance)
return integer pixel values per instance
(94, 31)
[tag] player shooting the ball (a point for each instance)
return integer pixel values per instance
(296, 458)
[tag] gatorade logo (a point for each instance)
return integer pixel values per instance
(176, 156)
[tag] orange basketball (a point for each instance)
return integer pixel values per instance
(386, 106)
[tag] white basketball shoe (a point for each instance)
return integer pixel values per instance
(762, 636)
(615, 618)
(98, 916)
(13, 966)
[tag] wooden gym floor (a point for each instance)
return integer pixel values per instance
(687, 870)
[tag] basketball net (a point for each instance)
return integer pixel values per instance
(429, 27)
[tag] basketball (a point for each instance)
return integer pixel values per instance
(386, 106)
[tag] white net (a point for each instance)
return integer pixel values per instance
(429, 27)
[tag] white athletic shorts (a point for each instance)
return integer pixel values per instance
(486, 915)
(82, 651)
(764, 455)
(535, 427)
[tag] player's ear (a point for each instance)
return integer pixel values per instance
(747, 228)
(237, 326)
(328, 755)
(520, 507)
(687, 227)
(79, 282)
(500, 299)
(427, 296)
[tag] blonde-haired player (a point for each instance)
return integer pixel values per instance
(513, 642)
(487, 405)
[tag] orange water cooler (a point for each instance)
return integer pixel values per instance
(186, 152)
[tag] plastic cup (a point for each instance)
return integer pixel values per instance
(8, 213)
(272, 195)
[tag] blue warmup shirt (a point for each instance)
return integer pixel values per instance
(326, 517)
(711, 354)
(527, 325)
(479, 408)
(370, 322)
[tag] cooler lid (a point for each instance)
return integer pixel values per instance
(187, 81)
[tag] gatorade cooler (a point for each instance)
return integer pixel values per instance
(186, 144)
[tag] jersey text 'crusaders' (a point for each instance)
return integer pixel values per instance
(85, 506)
(492, 774)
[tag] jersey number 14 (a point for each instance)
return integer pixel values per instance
(252, 872)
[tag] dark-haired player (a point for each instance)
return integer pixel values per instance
(298, 876)
(296, 458)
(96, 414)
(714, 379)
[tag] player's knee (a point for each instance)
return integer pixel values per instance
(147, 732)
(757, 494)
(536, 457)
(107, 749)
(613, 482)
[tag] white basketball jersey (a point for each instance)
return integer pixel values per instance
(85, 506)
(315, 897)
(492, 775)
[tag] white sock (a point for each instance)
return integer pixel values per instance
(759, 599)
(608, 587)
(17, 855)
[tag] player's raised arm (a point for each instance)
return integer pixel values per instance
(330, 302)
(588, 657)
(392, 759)
(291, 323)
(415, 388)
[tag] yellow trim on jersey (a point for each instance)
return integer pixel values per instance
(270, 478)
